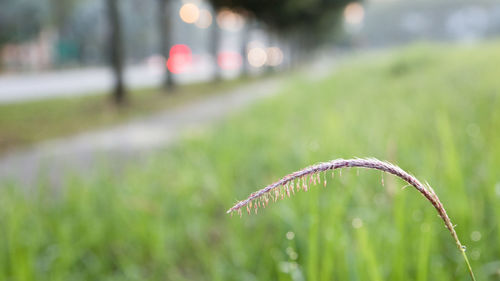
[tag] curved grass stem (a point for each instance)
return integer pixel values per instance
(469, 267)
(303, 179)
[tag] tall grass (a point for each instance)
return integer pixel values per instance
(431, 109)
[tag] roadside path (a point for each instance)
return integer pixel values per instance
(130, 142)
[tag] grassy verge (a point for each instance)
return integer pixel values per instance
(28, 122)
(433, 110)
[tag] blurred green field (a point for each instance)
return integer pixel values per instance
(433, 110)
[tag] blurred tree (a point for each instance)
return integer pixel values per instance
(116, 50)
(164, 28)
(20, 20)
(245, 36)
(214, 49)
(61, 11)
(62, 16)
(286, 15)
(312, 21)
(243, 48)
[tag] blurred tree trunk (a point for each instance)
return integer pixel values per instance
(215, 44)
(245, 34)
(116, 51)
(164, 28)
(60, 12)
(272, 41)
(296, 49)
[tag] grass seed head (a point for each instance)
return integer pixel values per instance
(309, 176)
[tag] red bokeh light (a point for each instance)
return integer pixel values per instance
(180, 58)
(229, 60)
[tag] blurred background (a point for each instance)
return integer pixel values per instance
(129, 127)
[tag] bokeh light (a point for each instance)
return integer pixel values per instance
(274, 56)
(189, 13)
(204, 19)
(229, 60)
(255, 44)
(257, 56)
(229, 20)
(354, 13)
(180, 58)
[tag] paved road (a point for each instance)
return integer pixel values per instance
(97, 80)
(91, 81)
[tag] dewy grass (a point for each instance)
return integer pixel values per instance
(302, 180)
